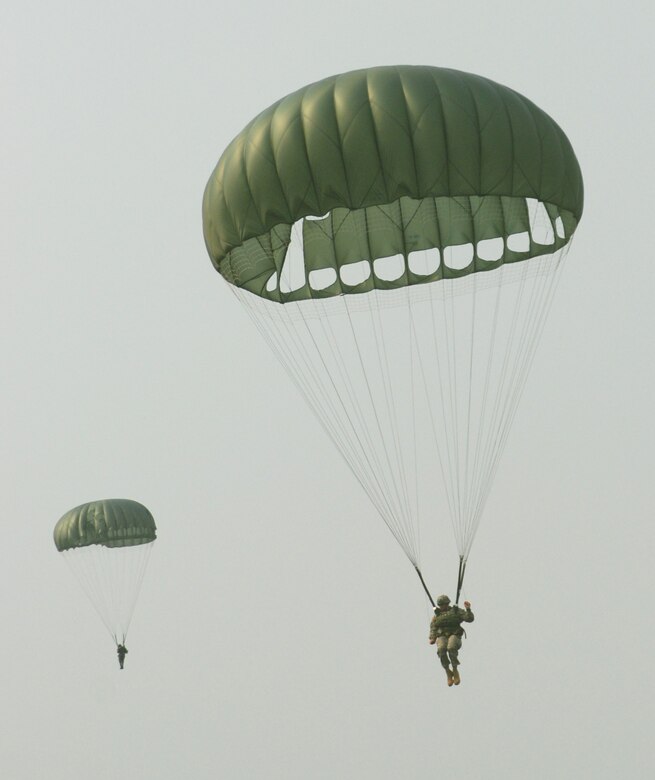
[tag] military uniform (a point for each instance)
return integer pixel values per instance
(446, 630)
(122, 652)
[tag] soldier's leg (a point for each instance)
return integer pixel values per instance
(454, 643)
(442, 651)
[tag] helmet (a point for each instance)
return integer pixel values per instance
(443, 601)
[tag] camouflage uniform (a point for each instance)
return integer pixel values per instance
(446, 629)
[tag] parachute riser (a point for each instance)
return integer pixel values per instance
(425, 587)
(460, 577)
(460, 580)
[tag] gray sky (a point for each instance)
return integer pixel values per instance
(280, 631)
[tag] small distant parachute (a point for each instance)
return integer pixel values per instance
(397, 235)
(107, 545)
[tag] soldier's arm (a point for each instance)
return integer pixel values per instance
(433, 630)
(468, 616)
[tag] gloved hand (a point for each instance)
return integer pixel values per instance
(432, 641)
(467, 604)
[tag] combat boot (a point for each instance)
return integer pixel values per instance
(456, 678)
(451, 679)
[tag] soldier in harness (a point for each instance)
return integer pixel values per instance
(446, 630)
(122, 652)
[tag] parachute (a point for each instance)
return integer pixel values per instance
(397, 235)
(107, 545)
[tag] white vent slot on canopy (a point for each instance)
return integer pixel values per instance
(292, 275)
(540, 225)
(519, 242)
(458, 256)
(355, 273)
(322, 278)
(424, 262)
(491, 249)
(559, 228)
(389, 268)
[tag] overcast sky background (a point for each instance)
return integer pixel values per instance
(281, 632)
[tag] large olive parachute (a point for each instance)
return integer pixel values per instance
(397, 234)
(107, 544)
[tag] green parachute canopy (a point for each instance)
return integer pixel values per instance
(107, 545)
(414, 222)
(388, 162)
(114, 522)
